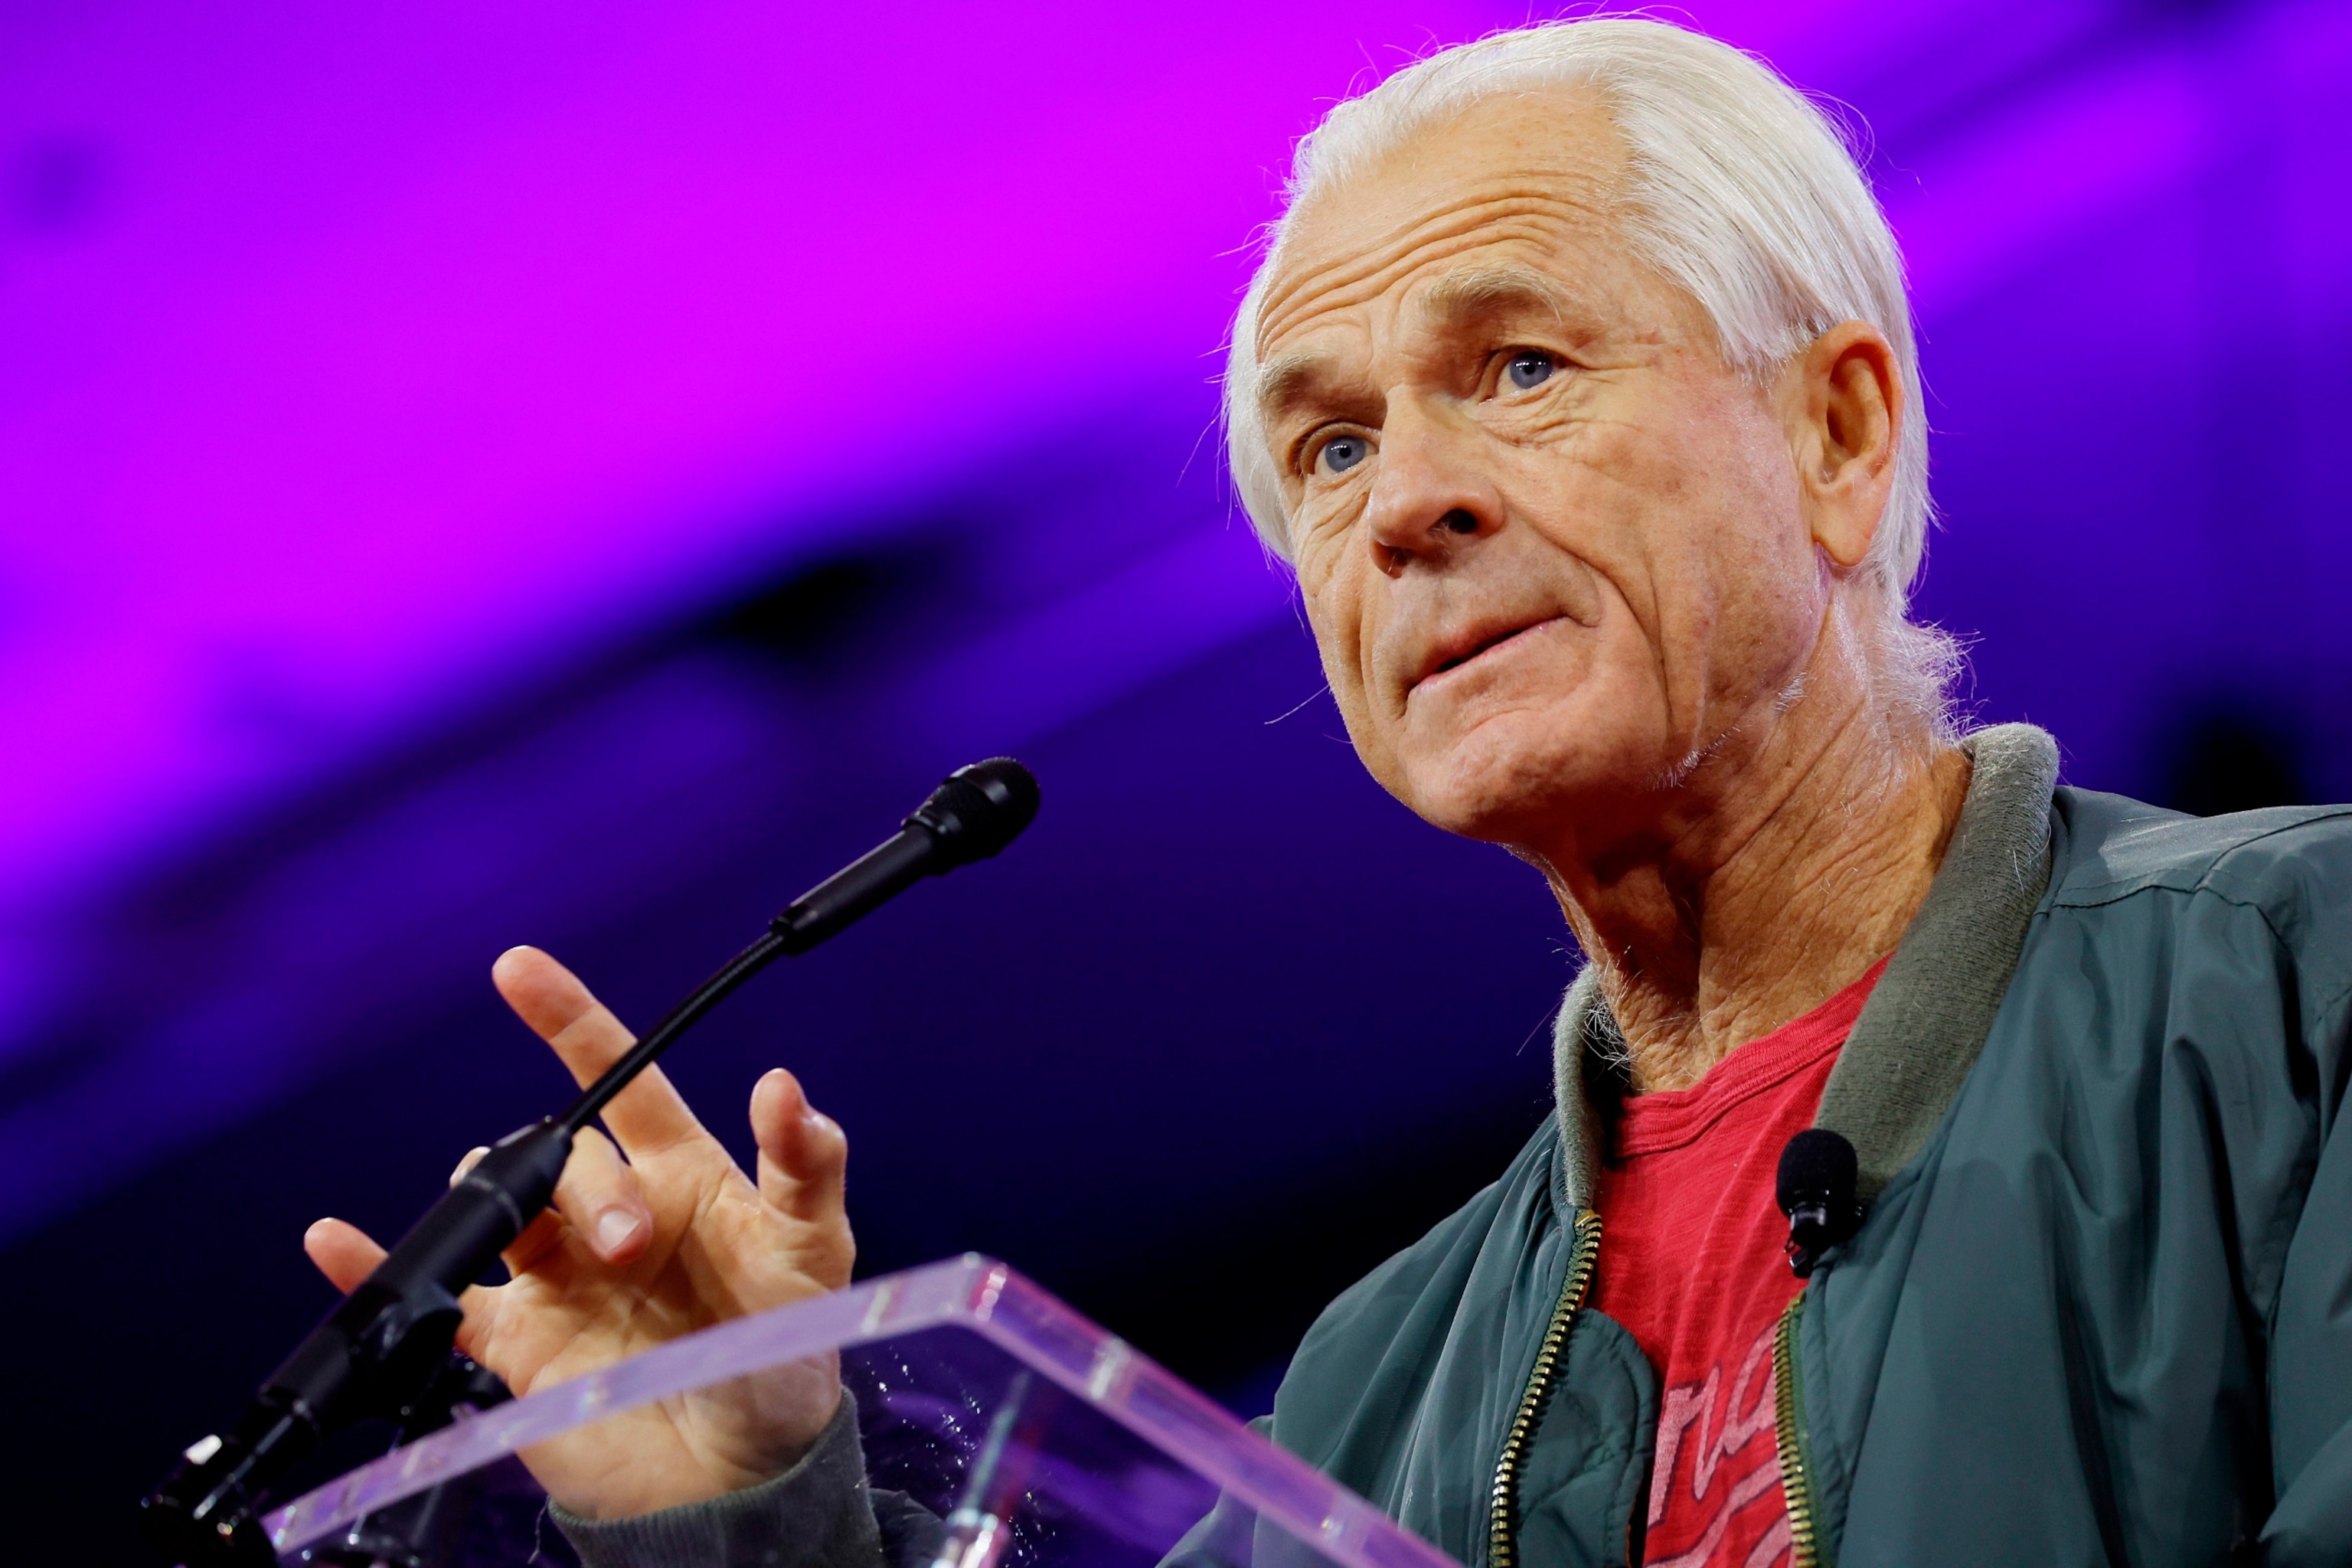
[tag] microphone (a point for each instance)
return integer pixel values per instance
(377, 1351)
(1815, 1190)
(976, 813)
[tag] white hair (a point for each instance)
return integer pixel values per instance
(1738, 189)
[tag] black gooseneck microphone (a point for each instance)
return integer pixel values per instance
(1815, 1190)
(377, 1351)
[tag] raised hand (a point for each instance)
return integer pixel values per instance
(647, 1241)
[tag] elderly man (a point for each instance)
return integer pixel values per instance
(1577, 386)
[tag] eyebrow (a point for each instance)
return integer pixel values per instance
(1289, 382)
(1485, 292)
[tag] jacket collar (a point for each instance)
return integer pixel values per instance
(1927, 1017)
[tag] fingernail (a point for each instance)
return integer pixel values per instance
(614, 1228)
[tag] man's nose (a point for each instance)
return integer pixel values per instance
(1432, 498)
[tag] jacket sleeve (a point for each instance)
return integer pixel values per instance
(818, 1514)
(2311, 1361)
(2310, 1370)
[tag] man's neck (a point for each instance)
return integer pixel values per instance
(1765, 884)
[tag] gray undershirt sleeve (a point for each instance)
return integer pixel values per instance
(818, 1514)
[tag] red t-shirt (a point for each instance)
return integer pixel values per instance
(1692, 1262)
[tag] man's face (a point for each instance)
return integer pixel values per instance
(1550, 544)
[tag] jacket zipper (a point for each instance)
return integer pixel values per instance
(1789, 1438)
(1501, 1517)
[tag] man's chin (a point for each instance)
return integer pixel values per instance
(1501, 787)
(1494, 807)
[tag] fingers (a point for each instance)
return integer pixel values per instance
(599, 1197)
(646, 1116)
(804, 1154)
(346, 1255)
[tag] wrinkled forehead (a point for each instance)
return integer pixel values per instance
(1502, 180)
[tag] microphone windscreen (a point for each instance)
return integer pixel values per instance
(980, 809)
(1817, 1163)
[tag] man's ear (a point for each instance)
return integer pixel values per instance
(1842, 399)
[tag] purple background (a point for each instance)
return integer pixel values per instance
(576, 474)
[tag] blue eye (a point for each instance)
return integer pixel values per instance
(1341, 453)
(1528, 369)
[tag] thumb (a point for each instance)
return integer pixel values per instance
(343, 1252)
(347, 1254)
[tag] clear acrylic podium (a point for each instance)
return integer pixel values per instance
(1033, 1438)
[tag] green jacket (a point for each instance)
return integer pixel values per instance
(2092, 1095)
(2084, 1321)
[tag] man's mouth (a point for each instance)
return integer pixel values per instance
(1460, 659)
(1452, 656)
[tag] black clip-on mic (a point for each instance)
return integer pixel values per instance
(1815, 1190)
(389, 1338)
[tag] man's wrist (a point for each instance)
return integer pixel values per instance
(812, 1515)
